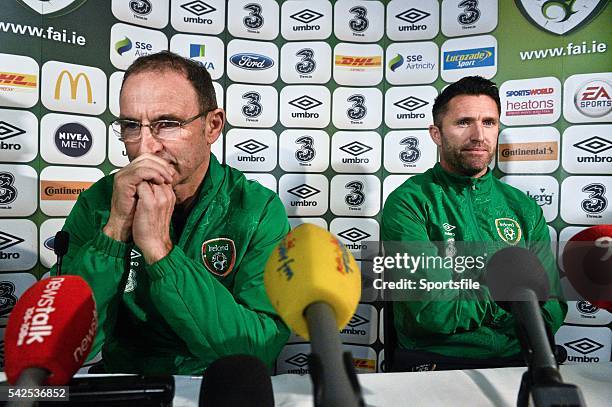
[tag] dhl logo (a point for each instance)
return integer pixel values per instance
(74, 85)
(18, 80)
(364, 62)
(364, 364)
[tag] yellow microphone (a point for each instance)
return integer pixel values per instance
(314, 284)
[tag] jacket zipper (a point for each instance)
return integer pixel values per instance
(477, 227)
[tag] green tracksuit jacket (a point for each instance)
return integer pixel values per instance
(179, 314)
(419, 210)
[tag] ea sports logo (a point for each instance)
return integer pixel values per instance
(594, 98)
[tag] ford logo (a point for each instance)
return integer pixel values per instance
(49, 243)
(252, 62)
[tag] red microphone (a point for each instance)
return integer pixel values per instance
(587, 260)
(50, 332)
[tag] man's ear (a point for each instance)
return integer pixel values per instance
(213, 125)
(435, 134)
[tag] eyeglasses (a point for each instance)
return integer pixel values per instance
(129, 131)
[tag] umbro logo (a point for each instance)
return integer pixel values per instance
(412, 15)
(357, 320)
(299, 360)
(134, 254)
(306, 16)
(448, 227)
(584, 345)
(198, 8)
(305, 102)
(354, 234)
(593, 145)
(7, 240)
(7, 130)
(411, 103)
(303, 191)
(251, 146)
(355, 148)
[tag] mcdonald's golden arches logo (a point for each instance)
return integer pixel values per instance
(74, 85)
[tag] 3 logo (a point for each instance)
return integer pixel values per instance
(141, 7)
(306, 152)
(596, 201)
(253, 108)
(359, 23)
(7, 298)
(254, 20)
(358, 110)
(470, 14)
(356, 197)
(307, 64)
(8, 192)
(410, 154)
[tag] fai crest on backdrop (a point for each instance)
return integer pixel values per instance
(54, 8)
(509, 230)
(560, 16)
(219, 256)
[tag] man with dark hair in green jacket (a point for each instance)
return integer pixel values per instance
(174, 244)
(458, 200)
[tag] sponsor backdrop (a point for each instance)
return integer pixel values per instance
(327, 103)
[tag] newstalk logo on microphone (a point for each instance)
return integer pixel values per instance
(36, 326)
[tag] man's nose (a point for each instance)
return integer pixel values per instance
(477, 133)
(148, 143)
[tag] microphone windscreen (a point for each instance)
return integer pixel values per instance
(310, 265)
(60, 243)
(512, 268)
(587, 262)
(237, 380)
(52, 326)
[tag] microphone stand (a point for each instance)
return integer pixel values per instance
(333, 376)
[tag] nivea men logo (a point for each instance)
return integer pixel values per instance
(583, 346)
(356, 321)
(254, 20)
(198, 8)
(355, 149)
(359, 23)
(585, 307)
(358, 110)
(594, 145)
(8, 192)
(411, 104)
(8, 299)
(251, 62)
(306, 17)
(412, 16)
(305, 103)
(596, 201)
(251, 147)
(410, 154)
(541, 198)
(7, 240)
(470, 13)
(141, 7)
(306, 152)
(73, 139)
(299, 360)
(307, 64)
(354, 235)
(7, 131)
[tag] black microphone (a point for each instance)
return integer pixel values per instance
(237, 380)
(518, 282)
(60, 248)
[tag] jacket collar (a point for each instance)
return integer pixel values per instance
(462, 182)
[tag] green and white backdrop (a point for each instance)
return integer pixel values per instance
(325, 100)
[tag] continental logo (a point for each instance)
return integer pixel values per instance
(469, 58)
(74, 82)
(10, 80)
(62, 190)
(347, 61)
(537, 151)
(364, 364)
